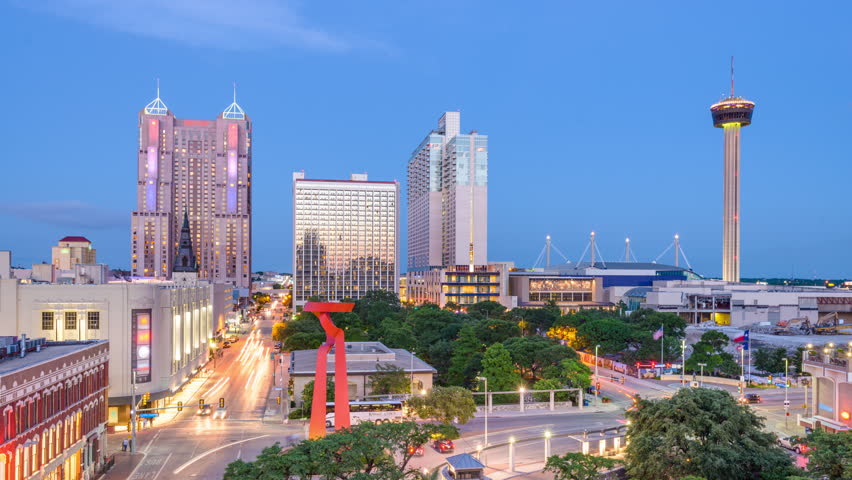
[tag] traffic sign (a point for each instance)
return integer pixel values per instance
(149, 415)
(786, 403)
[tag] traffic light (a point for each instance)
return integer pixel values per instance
(770, 379)
(278, 399)
(653, 364)
(739, 389)
(221, 402)
(180, 406)
(598, 387)
(200, 403)
(668, 365)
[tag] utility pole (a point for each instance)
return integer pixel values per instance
(597, 378)
(485, 379)
(702, 365)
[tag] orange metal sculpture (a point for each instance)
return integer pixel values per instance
(333, 338)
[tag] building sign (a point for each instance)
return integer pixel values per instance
(141, 344)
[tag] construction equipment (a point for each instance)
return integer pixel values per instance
(830, 324)
(794, 326)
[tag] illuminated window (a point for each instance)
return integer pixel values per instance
(70, 320)
(94, 320)
(47, 321)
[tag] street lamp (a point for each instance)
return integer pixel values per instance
(485, 379)
(683, 362)
(702, 365)
(597, 378)
(786, 387)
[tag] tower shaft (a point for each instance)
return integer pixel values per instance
(731, 204)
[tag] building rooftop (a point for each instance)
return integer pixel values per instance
(49, 351)
(75, 239)
(361, 358)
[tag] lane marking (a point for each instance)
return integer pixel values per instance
(162, 466)
(213, 450)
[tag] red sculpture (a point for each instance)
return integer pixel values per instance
(333, 338)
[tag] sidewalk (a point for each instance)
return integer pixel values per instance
(124, 466)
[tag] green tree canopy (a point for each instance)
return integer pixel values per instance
(466, 360)
(701, 432)
(375, 306)
(532, 354)
(499, 369)
(710, 350)
(445, 405)
(389, 379)
(830, 454)
(308, 395)
(571, 372)
(486, 309)
(577, 466)
(278, 331)
(771, 360)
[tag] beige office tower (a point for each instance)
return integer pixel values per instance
(201, 168)
(448, 198)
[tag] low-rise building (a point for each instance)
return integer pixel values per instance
(363, 359)
(831, 368)
(569, 293)
(463, 285)
(52, 408)
(742, 304)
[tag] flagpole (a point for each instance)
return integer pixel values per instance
(662, 341)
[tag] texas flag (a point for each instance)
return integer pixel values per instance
(743, 338)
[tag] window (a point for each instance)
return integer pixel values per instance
(70, 320)
(94, 320)
(47, 320)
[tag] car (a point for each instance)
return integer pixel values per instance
(220, 413)
(750, 398)
(204, 411)
(443, 445)
(233, 339)
(416, 451)
(226, 345)
(791, 443)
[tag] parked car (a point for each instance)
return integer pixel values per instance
(790, 444)
(233, 339)
(443, 446)
(416, 451)
(226, 344)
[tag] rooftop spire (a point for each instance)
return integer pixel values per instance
(234, 111)
(157, 107)
(185, 260)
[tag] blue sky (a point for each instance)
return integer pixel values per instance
(597, 114)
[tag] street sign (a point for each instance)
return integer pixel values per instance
(786, 403)
(149, 415)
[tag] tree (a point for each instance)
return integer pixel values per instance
(375, 306)
(532, 354)
(278, 331)
(701, 432)
(577, 466)
(465, 350)
(494, 330)
(830, 454)
(396, 334)
(499, 369)
(303, 341)
(771, 360)
(549, 384)
(389, 379)
(486, 309)
(308, 395)
(612, 334)
(710, 350)
(445, 404)
(364, 451)
(572, 372)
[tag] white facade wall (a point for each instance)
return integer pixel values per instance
(181, 325)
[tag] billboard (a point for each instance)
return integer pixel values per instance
(141, 344)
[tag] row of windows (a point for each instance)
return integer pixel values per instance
(48, 320)
(561, 297)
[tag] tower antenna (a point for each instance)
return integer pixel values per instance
(732, 75)
(235, 91)
(158, 87)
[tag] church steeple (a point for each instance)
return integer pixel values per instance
(185, 260)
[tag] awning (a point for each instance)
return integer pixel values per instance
(826, 422)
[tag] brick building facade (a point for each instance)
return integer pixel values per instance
(53, 409)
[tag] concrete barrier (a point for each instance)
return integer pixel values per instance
(704, 379)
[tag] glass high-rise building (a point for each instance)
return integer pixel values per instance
(448, 198)
(345, 237)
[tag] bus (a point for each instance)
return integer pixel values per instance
(379, 411)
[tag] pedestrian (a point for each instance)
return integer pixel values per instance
(124, 445)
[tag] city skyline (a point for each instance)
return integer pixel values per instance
(569, 154)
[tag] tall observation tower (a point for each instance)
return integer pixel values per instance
(731, 114)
